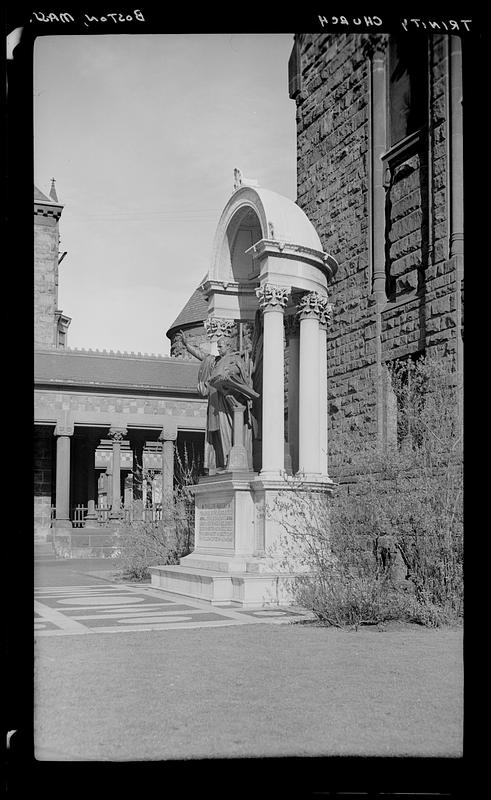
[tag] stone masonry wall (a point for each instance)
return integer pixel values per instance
(332, 130)
(418, 238)
(45, 280)
(333, 163)
(43, 442)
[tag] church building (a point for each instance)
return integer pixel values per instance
(380, 178)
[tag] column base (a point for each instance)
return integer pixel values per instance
(62, 523)
(272, 475)
(313, 477)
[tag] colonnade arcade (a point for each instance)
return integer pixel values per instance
(112, 467)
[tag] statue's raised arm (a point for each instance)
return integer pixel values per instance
(197, 352)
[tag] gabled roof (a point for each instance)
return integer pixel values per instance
(122, 371)
(195, 310)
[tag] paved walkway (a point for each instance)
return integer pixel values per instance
(109, 608)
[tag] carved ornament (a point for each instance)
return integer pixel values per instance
(217, 327)
(313, 304)
(117, 434)
(272, 297)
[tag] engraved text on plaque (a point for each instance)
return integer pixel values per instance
(216, 523)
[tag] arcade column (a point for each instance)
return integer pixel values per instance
(63, 434)
(272, 301)
(117, 435)
(324, 321)
(168, 438)
(91, 444)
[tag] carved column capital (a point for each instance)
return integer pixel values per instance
(375, 45)
(217, 327)
(272, 298)
(117, 434)
(64, 430)
(313, 305)
(168, 433)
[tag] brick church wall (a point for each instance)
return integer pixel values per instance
(332, 92)
(332, 131)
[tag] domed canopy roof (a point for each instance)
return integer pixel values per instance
(253, 214)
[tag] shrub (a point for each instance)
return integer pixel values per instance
(389, 545)
(143, 543)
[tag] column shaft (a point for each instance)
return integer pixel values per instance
(91, 512)
(63, 482)
(117, 435)
(273, 392)
(322, 400)
(293, 381)
(309, 400)
(116, 505)
(167, 470)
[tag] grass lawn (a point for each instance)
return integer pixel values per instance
(252, 690)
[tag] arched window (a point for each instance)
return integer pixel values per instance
(408, 78)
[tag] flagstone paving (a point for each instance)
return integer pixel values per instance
(106, 608)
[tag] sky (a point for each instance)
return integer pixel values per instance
(142, 134)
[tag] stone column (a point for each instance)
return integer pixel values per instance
(292, 327)
(116, 434)
(272, 300)
(324, 319)
(310, 309)
(168, 438)
(91, 513)
(63, 433)
(376, 47)
(456, 159)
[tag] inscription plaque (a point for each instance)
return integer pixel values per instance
(216, 522)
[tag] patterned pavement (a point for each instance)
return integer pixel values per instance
(71, 610)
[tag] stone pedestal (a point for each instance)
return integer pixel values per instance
(237, 557)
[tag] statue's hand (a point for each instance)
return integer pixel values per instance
(184, 338)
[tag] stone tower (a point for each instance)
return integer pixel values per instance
(50, 324)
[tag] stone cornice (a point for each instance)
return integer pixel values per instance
(226, 287)
(318, 258)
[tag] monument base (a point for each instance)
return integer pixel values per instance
(245, 590)
(237, 558)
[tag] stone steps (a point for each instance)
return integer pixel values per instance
(245, 590)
